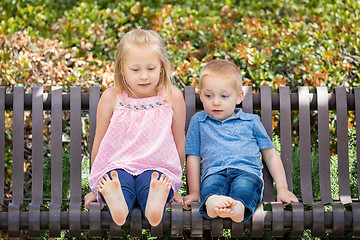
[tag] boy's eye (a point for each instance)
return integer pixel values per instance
(224, 96)
(208, 95)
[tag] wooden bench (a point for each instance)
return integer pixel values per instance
(325, 214)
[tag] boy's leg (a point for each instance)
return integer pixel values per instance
(214, 190)
(117, 190)
(153, 191)
(246, 189)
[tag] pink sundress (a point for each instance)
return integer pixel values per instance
(139, 138)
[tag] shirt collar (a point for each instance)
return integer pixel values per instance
(239, 114)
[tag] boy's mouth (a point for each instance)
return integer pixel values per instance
(217, 111)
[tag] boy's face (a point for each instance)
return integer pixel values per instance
(220, 96)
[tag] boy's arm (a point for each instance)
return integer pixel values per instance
(276, 168)
(193, 180)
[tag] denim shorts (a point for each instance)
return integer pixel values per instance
(235, 183)
(136, 188)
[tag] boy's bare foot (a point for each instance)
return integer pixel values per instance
(158, 194)
(235, 212)
(114, 197)
(215, 202)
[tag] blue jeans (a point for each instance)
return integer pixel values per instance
(235, 183)
(136, 188)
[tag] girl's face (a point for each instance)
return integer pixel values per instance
(142, 69)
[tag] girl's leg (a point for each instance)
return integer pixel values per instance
(117, 189)
(153, 191)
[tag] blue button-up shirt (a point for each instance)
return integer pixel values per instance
(233, 143)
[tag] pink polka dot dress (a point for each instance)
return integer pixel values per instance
(139, 138)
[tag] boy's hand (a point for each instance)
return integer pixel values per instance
(177, 198)
(194, 197)
(286, 196)
(90, 197)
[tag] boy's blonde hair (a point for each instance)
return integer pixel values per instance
(222, 68)
(138, 37)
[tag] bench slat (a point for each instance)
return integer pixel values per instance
(18, 146)
(190, 100)
(247, 103)
(357, 120)
(324, 144)
(285, 133)
(56, 162)
(305, 151)
(94, 97)
(37, 162)
(2, 143)
(342, 144)
(37, 146)
(266, 119)
(75, 162)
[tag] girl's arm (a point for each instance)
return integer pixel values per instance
(104, 113)
(193, 180)
(276, 168)
(178, 124)
(178, 127)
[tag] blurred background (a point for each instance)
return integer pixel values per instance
(274, 42)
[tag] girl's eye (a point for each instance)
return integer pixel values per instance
(135, 69)
(150, 69)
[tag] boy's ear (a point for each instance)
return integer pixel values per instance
(240, 97)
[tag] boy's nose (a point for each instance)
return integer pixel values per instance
(216, 101)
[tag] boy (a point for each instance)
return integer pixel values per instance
(228, 143)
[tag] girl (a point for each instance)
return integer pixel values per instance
(139, 147)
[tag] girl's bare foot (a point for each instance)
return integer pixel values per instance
(215, 202)
(158, 194)
(114, 197)
(235, 212)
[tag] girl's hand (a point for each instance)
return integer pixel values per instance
(194, 197)
(177, 198)
(90, 197)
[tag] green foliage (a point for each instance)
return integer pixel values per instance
(275, 42)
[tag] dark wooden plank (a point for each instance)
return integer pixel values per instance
(37, 146)
(324, 144)
(247, 103)
(75, 162)
(190, 101)
(305, 149)
(18, 146)
(357, 119)
(285, 133)
(94, 97)
(2, 143)
(266, 119)
(56, 145)
(75, 145)
(342, 144)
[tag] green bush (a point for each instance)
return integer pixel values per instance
(275, 42)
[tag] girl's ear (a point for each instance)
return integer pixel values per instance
(240, 97)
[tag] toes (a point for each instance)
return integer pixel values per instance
(162, 178)
(106, 177)
(114, 174)
(154, 176)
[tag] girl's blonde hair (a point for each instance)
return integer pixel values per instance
(142, 37)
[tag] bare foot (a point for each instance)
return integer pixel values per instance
(158, 193)
(114, 197)
(235, 212)
(215, 202)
